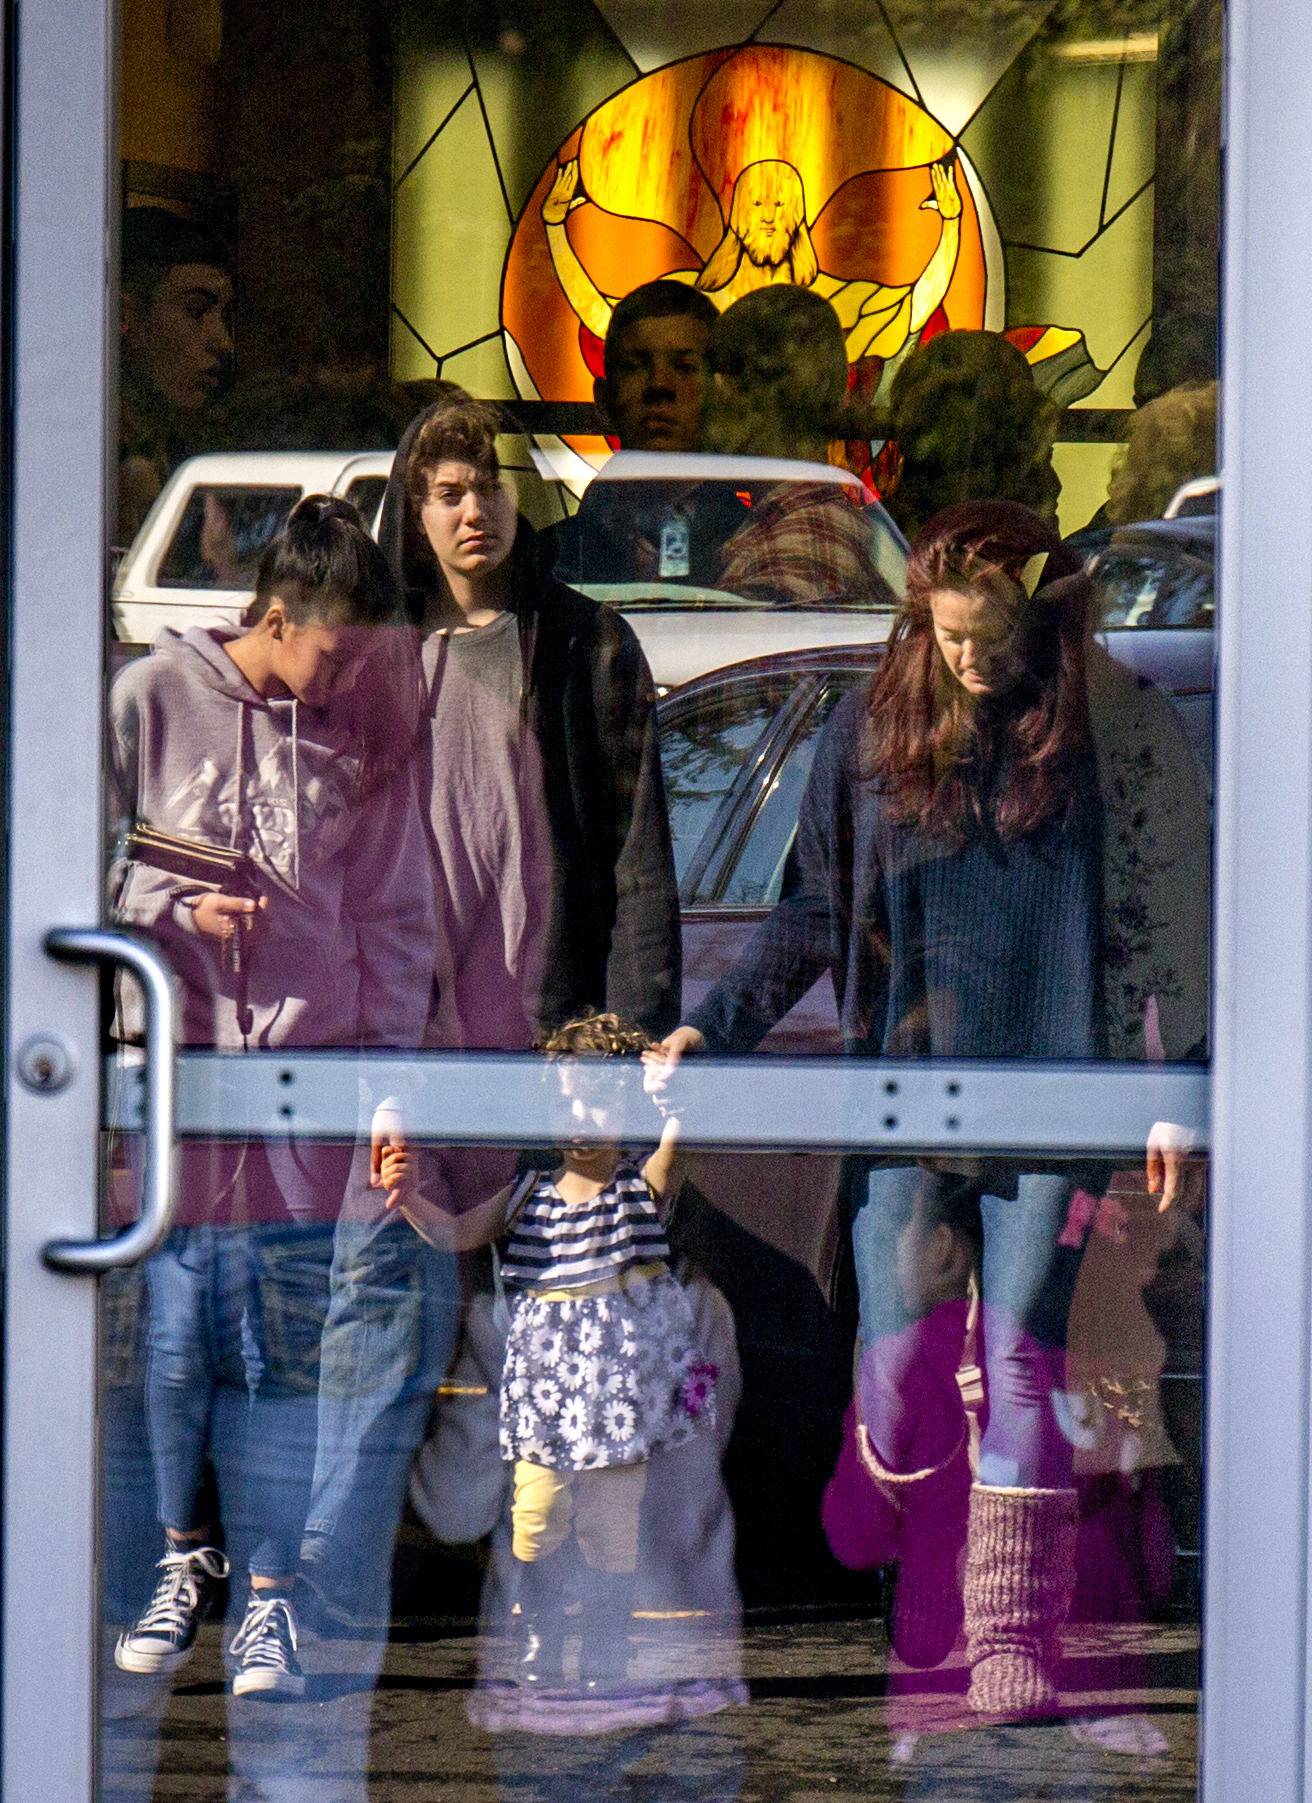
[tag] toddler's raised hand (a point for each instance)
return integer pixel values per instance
(398, 1175)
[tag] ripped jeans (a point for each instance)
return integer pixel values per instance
(1027, 1280)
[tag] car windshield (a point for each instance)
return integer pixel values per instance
(222, 532)
(366, 493)
(700, 531)
(1147, 580)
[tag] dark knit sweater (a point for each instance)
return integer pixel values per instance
(986, 950)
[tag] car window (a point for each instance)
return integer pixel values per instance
(223, 529)
(366, 493)
(749, 535)
(704, 743)
(1148, 587)
(757, 877)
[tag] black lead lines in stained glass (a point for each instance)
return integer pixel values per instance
(420, 155)
(1111, 143)
(1051, 250)
(416, 334)
(470, 344)
(487, 128)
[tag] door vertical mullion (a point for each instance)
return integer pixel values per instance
(64, 199)
(1255, 1615)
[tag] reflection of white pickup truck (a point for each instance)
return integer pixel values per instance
(686, 629)
(193, 562)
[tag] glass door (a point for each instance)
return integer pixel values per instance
(634, 736)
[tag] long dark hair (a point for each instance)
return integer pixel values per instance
(324, 567)
(951, 765)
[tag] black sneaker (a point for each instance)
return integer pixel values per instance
(266, 1645)
(165, 1636)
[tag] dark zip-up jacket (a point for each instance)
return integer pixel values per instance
(613, 934)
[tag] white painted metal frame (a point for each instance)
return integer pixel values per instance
(818, 1104)
(61, 331)
(1256, 1719)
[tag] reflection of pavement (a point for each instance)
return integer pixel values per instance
(831, 1718)
(680, 1671)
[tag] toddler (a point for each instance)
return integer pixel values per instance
(602, 1365)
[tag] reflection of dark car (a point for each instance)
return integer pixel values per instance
(736, 747)
(1156, 586)
(737, 744)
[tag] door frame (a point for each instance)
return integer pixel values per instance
(61, 329)
(1255, 1639)
(64, 197)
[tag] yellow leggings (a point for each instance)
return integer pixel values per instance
(604, 1507)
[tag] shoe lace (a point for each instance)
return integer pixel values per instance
(177, 1594)
(259, 1639)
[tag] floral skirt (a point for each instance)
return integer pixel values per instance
(603, 1380)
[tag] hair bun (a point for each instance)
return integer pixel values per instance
(318, 510)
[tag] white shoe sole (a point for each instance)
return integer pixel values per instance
(269, 1684)
(129, 1659)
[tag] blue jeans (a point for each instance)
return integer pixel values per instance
(235, 1320)
(387, 1342)
(1027, 1281)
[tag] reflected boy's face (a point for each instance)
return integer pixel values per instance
(468, 519)
(182, 338)
(588, 1113)
(933, 1264)
(652, 394)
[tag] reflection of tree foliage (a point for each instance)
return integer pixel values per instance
(966, 20)
(1009, 137)
(704, 752)
(704, 748)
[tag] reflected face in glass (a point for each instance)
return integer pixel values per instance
(975, 629)
(183, 338)
(652, 395)
(468, 519)
(316, 660)
(933, 1265)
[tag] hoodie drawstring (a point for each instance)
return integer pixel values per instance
(240, 949)
(296, 793)
(240, 790)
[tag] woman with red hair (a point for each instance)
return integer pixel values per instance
(1002, 852)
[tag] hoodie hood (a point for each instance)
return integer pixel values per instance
(201, 651)
(262, 808)
(409, 559)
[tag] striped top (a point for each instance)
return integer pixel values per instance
(553, 1245)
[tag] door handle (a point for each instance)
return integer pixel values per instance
(96, 945)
